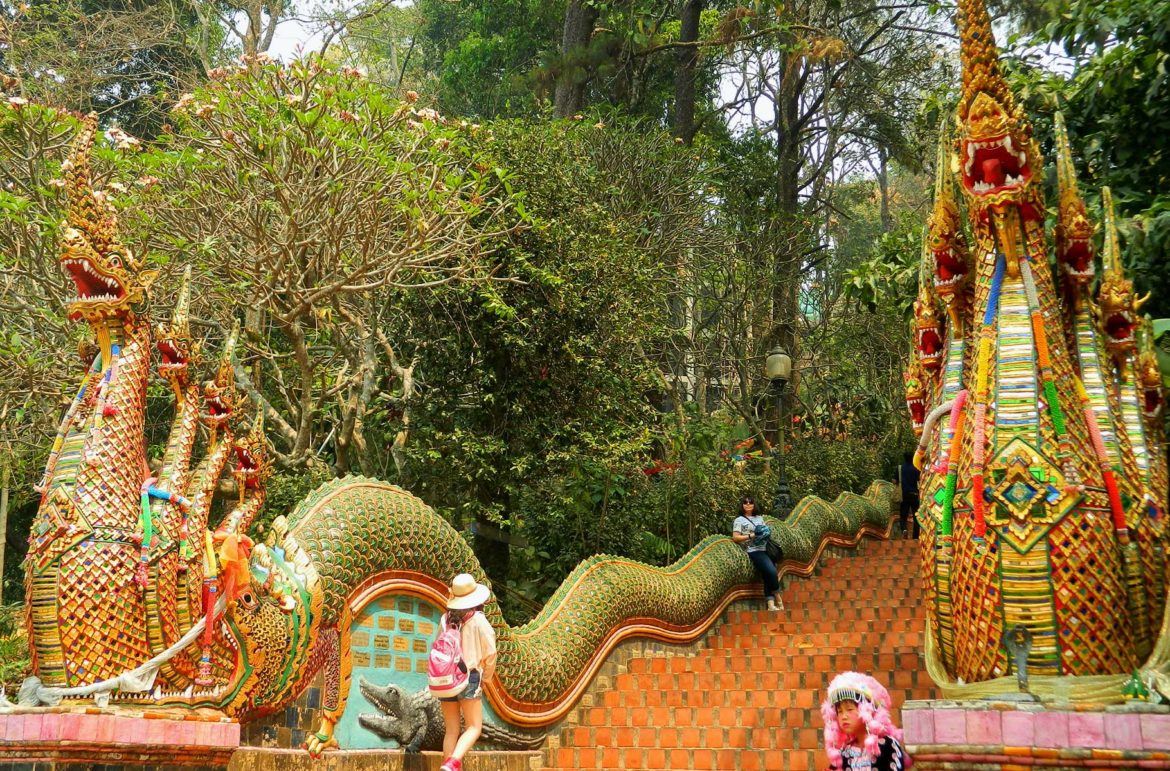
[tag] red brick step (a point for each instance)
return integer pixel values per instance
(749, 698)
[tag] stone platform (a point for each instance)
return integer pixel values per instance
(996, 736)
(117, 737)
(263, 759)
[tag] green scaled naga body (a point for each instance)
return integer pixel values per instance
(355, 539)
(132, 587)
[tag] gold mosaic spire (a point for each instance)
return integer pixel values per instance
(980, 58)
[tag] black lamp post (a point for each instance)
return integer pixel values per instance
(778, 367)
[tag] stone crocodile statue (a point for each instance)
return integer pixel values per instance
(124, 566)
(1044, 469)
(415, 721)
(354, 539)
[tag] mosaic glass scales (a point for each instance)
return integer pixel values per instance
(1044, 491)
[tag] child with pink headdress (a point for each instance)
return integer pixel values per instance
(859, 733)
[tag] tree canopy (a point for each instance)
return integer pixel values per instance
(526, 258)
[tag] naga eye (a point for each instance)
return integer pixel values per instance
(248, 599)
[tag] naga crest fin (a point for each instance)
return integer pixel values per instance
(1118, 314)
(179, 350)
(219, 393)
(979, 56)
(89, 211)
(181, 318)
(945, 240)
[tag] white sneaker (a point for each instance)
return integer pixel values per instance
(772, 605)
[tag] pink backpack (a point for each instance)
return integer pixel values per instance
(444, 673)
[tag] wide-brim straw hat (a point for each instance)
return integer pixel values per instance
(466, 593)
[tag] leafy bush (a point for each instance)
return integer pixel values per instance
(829, 467)
(15, 663)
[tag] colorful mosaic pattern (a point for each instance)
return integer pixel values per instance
(315, 568)
(122, 563)
(1042, 502)
(117, 557)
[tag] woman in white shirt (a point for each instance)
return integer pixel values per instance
(751, 532)
(478, 643)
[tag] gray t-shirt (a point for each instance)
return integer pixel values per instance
(747, 526)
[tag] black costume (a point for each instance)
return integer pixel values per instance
(891, 757)
(908, 479)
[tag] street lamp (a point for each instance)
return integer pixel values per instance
(778, 368)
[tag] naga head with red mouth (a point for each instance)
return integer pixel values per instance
(177, 350)
(1117, 304)
(1074, 230)
(996, 155)
(1149, 374)
(108, 280)
(252, 464)
(1118, 315)
(929, 333)
(947, 245)
(915, 395)
(1150, 378)
(1074, 241)
(220, 397)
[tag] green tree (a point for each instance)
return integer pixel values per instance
(484, 53)
(117, 58)
(536, 413)
(1116, 102)
(305, 196)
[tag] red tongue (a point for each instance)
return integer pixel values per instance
(1118, 326)
(993, 172)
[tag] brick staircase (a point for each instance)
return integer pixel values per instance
(749, 696)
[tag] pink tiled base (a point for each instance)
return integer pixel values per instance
(60, 735)
(1012, 734)
(115, 729)
(1012, 725)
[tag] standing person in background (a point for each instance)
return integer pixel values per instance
(908, 480)
(751, 532)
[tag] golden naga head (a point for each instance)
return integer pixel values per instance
(253, 466)
(220, 398)
(928, 333)
(949, 248)
(996, 152)
(1074, 230)
(110, 282)
(1117, 304)
(950, 260)
(1149, 374)
(177, 349)
(915, 384)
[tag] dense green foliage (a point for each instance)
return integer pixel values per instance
(1116, 102)
(552, 330)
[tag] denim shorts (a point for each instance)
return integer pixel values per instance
(472, 691)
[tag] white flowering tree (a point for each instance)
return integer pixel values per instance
(304, 198)
(304, 195)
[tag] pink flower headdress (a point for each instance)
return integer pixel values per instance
(873, 704)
